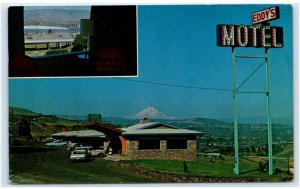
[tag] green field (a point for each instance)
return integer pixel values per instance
(54, 167)
(35, 164)
(214, 169)
(287, 151)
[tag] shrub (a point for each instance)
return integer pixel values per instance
(185, 167)
(80, 43)
(56, 51)
(261, 166)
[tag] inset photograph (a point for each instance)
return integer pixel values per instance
(67, 41)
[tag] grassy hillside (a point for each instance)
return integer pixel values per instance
(22, 112)
(46, 126)
(40, 125)
(51, 15)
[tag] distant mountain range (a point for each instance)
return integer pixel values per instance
(213, 127)
(150, 113)
(40, 16)
(154, 114)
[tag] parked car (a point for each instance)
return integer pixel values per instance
(98, 152)
(87, 148)
(57, 143)
(48, 140)
(71, 146)
(79, 155)
(91, 150)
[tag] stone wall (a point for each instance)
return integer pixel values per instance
(133, 152)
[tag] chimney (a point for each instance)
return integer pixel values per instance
(94, 117)
(145, 120)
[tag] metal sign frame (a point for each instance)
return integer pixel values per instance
(267, 92)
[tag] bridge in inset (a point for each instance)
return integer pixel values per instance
(58, 42)
(64, 24)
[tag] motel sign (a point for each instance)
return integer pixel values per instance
(265, 15)
(249, 36)
(259, 36)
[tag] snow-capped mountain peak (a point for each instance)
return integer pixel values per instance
(151, 113)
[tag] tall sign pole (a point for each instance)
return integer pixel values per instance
(258, 36)
(235, 124)
(270, 143)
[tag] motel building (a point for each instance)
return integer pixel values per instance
(146, 140)
(154, 140)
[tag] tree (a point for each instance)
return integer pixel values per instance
(49, 31)
(253, 150)
(80, 43)
(23, 128)
(277, 148)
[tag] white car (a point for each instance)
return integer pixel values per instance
(82, 148)
(79, 155)
(71, 146)
(91, 151)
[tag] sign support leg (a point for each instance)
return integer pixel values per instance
(236, 146)
(269, 114)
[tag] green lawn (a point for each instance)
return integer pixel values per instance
(53, 167)
(205, 168)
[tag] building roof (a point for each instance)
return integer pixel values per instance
(161, 132)
(145, 129)
(94, 124)
(142, 126)
(81, 133)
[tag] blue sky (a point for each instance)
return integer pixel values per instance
(176, 45)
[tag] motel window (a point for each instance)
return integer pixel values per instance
(177, 143)
(149, 143)
(47, 33)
